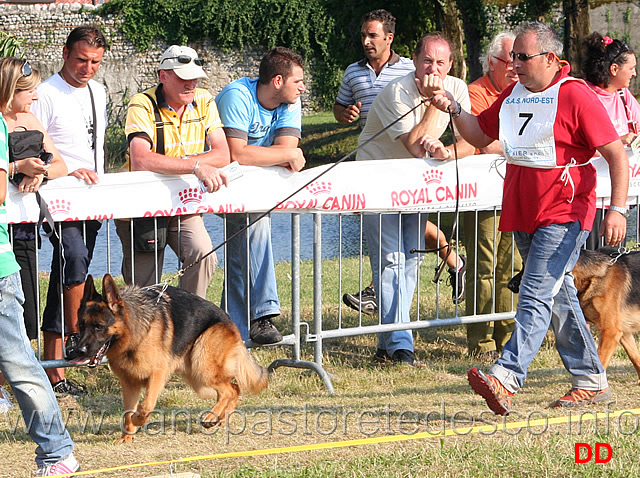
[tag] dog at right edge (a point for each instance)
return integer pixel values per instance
(149, 333)
(609, 294)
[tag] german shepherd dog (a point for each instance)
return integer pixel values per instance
(147, 334)
(609, 294)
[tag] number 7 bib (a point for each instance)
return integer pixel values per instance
(526, 126)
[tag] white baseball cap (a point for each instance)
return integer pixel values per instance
(184, 61)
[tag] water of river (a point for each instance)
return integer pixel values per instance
(281, 242)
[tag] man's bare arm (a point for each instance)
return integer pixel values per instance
(284, 152)
(614, 225)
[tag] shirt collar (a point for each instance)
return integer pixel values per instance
(393, 59)
(162, 102)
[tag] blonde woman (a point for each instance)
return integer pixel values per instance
(18, 81)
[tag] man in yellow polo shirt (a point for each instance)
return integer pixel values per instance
(188, 139)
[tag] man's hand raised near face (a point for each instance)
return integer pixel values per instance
(429, 85)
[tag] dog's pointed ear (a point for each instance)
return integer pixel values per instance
(90, 292)
(110, 292)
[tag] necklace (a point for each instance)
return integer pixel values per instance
(87, 116)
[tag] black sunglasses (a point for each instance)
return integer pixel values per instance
(186, 59)
(524, 56)
(624, 48)
(26, 69)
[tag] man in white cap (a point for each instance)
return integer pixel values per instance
(174, 128)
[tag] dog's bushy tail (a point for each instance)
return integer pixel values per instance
(249, 374)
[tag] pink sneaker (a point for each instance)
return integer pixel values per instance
(68, 465)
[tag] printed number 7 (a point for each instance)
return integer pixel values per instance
(525, 115)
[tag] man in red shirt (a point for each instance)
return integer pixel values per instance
(545, 123)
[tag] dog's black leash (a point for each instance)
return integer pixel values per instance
(181, 271)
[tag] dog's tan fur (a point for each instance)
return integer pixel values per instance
(143, 353)
(607, 292)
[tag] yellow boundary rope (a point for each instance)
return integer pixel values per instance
(585, 415)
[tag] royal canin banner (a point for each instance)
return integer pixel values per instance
(382, 185)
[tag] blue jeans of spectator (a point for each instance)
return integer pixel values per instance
(249, 293)
(548, 297)
(390, 237)
(28, 381)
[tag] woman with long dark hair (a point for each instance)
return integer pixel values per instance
(609, 66)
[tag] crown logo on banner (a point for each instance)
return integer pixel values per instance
(190, 195)
(319, 187)
(432, 176)
(59, 208)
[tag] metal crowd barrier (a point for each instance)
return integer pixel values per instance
(314, 329)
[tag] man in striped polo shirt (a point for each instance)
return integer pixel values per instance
(364, 79)
(190, 141)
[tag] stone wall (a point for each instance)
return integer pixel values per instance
(621, 21)
(124, 70)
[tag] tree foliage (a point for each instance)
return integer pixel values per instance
(10, 45)
(324, 32)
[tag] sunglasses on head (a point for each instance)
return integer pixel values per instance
(26, 69)
(186, 59)
(524, 56)
(623, 48)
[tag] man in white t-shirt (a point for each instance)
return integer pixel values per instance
(73, 109)
(391, 237)
(377, 34)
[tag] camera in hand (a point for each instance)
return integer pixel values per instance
(46, 157)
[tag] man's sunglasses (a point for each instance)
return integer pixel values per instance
(524, 56)
(186, 59)
(26, 69)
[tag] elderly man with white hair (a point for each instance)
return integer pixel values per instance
(489, 250)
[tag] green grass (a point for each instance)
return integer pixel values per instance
(363, 389)
(324, 140)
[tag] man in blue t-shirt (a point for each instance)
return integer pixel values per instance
(262, 122)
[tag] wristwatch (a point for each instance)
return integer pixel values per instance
(622, 210)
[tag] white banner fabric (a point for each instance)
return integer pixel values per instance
(382, 185)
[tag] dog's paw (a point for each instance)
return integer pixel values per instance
(139, 419)
(125, 438)
(210, 420)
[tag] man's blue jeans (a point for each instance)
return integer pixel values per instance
(28, 381)
(390, 237)
(251, 293)
(548, 297)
